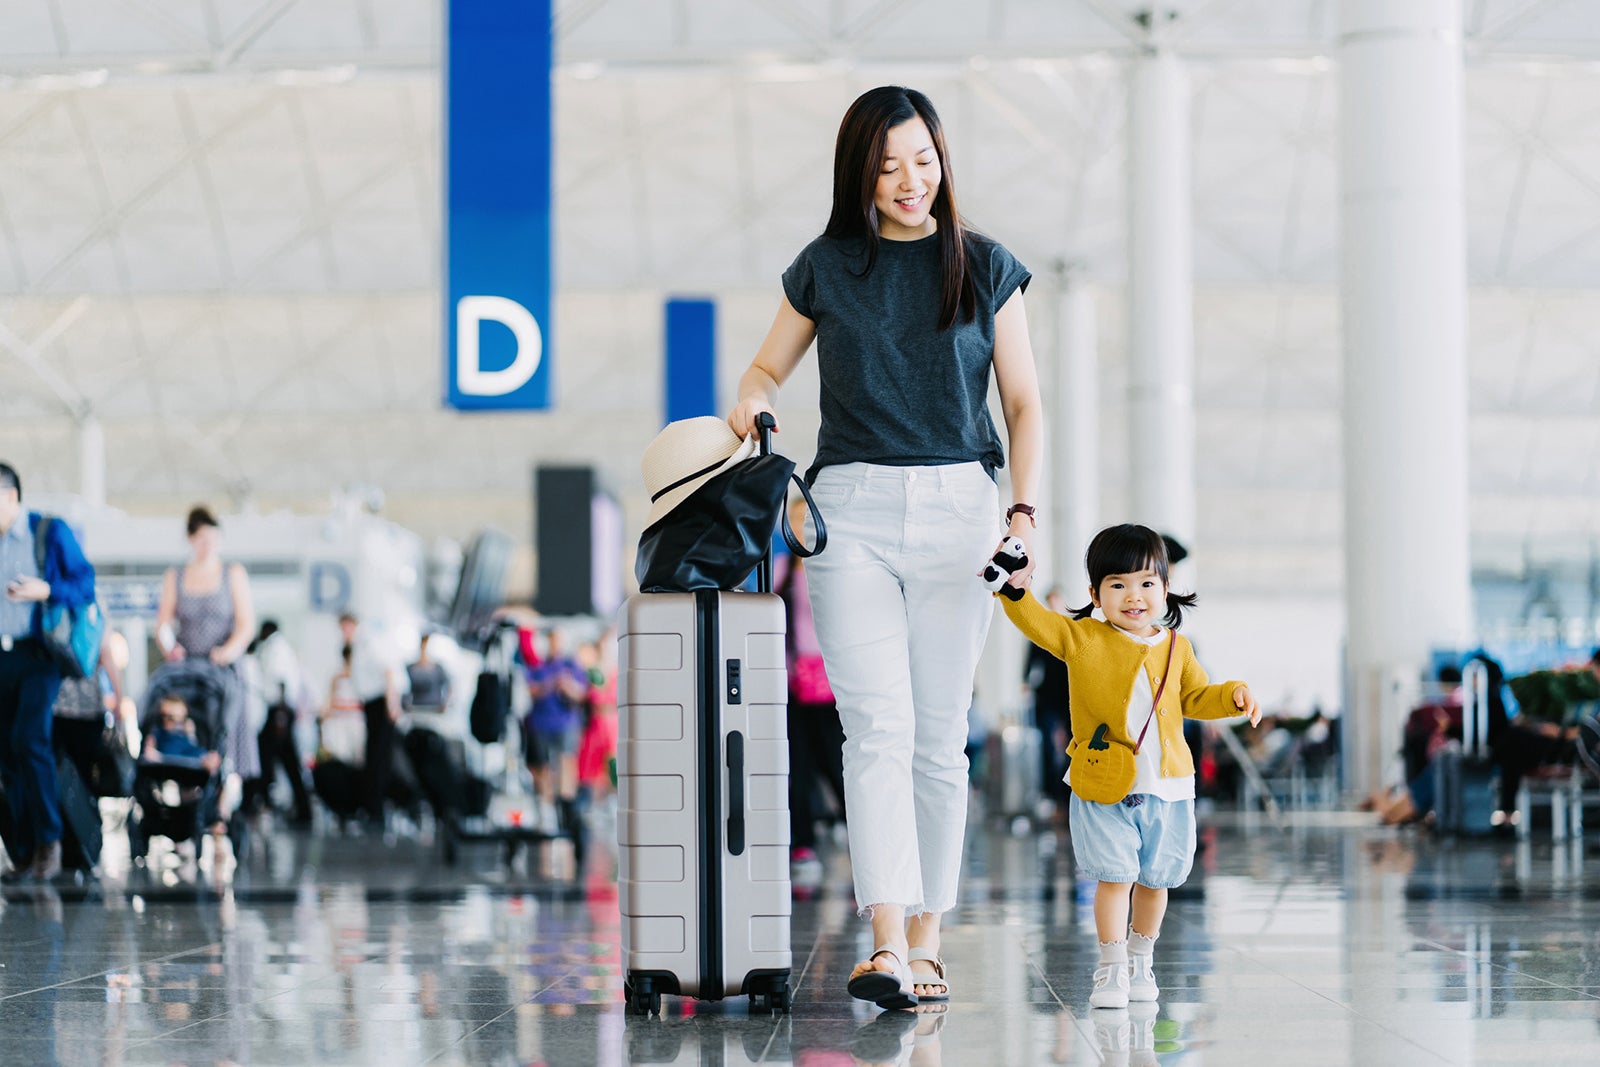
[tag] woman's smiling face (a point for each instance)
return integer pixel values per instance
(908, 183)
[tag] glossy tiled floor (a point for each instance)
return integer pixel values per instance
(1326, 943)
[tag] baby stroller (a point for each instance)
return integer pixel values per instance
(179, 798)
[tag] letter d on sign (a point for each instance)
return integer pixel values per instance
(471, 313)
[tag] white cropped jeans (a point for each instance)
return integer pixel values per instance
(901, 616)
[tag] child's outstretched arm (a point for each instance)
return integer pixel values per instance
(1058, 635)
(1202, 700)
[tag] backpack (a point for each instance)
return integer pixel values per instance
(71, 635)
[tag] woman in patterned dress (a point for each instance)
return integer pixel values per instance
(206, 614)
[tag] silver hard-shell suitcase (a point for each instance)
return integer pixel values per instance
(703, 784)
(703, 789)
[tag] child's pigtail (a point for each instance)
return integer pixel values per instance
(1083, 612)
(1176, 602)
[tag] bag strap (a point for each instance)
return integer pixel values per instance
(41, 546)
(789, 538)
(1172, 642)
(41, 541)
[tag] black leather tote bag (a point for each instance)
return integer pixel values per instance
(721, 531)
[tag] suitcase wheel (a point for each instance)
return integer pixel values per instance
(777, 999)
(642, 1000)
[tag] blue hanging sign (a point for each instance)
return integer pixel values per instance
(691, 359)
(497, 205)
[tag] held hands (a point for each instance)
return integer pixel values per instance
(1022, 529)
(743, 418)
(28, 590)
(1245, 701)
(1003, 560)
(176, 653)
(221, 656)
(1009, 558)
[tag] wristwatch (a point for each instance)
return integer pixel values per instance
(1021, 509)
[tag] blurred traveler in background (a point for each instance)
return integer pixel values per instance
(1552, 708)
(343, 731)
(816, 739)
(559, 687)
(88, 728)
(279, 688)
(597, 749)
(206, 613)
(1430, 727)
(429, 683)
(379, 685)
(29, 679)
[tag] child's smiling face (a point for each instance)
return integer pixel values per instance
(1132, 602)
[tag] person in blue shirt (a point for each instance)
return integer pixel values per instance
(559, 687)
(29, 678)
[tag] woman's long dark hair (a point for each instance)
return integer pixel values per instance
(857, 163)
(1129, 549)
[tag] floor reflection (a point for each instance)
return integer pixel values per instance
(1323, 944)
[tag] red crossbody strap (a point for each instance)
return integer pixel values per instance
(1172, 641)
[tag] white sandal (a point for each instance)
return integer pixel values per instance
(922, 955)
(887, 989)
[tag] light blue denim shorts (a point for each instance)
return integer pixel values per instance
(1151, 843)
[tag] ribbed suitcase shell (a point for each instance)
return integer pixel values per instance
(704, 914)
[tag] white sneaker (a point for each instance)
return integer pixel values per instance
(1141, 978)
(1110, 986)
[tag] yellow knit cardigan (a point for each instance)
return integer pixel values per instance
(1104, 662)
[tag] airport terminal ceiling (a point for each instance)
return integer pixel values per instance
(220, 236)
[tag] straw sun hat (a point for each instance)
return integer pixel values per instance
(685, 456)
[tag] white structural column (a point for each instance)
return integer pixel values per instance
(1074, 424)
(1407, 566)
(1161, 297)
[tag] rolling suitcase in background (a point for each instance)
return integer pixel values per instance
(1466, 782)
(703, 789)
(80, 819)
(1012, 768)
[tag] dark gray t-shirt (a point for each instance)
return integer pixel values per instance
(896, 389)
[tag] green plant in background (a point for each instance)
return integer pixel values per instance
(1547, 695)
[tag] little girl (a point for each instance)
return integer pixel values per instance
(1118, 668)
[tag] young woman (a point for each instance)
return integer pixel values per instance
(911, 313)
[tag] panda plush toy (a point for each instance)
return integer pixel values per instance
(1011, 557)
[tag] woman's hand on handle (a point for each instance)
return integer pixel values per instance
(743, 418)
